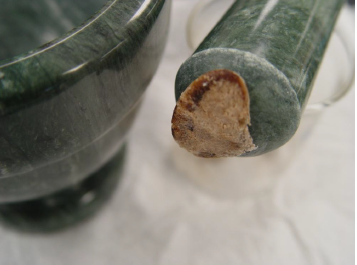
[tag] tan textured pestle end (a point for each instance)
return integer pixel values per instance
(211, 117)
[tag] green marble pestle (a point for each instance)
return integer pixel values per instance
(243, 91)
(66, 106)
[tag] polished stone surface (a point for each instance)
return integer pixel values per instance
(277, 47)
(26, 25)
(172, 208)
(66, 107)
(66, 207)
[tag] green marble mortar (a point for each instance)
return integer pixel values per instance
(66, 106)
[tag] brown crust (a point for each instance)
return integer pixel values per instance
(211, 117)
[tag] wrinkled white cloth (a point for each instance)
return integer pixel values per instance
(175, 209)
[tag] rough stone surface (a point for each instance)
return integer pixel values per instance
(212, 116)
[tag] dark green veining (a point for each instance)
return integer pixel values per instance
(68, 206)
(66, 106)
(114, 32)
(27, 25)
(277, 47)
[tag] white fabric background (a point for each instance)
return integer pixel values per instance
(172, 208)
